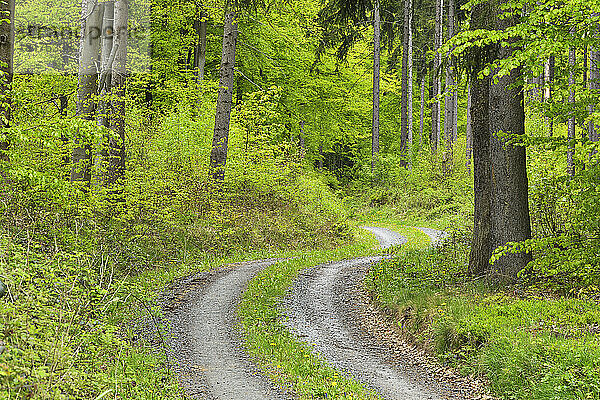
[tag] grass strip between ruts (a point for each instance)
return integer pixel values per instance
(285, 359)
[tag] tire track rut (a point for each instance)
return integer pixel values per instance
(321, 311)
(205, 338)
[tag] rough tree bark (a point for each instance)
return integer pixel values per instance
(376, 67)
(7, 49)
(469, 133)
(89, 50)
(481, 248)
(436, 123)
(501, 185)
(510, 186)
(116, 148)
(218, 154)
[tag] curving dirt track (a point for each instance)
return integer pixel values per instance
(324, 309)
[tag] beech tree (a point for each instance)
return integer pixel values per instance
(116, 150)
(87, 86)
(218, 155)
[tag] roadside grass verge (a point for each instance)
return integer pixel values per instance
(527, 345)
(285, 359)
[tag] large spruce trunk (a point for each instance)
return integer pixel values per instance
(510, 197)
(481, 248)
(7, 49)
(218, 154)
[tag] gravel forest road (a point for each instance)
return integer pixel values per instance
(323, 307)
(324, 310)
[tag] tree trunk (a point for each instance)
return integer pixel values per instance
(481, 248)
(410, 80)
(89, 50)
(571, 127)
(549, 76)
(376, 66)
(404, 108)
(106, 60)
(301, 142)
(451, 91)
(510, 201)
(422, 113)
(594, 85)
(116, 163)
(7, 49)
(469, 133)
(501, 185)
(218, 154)
(436, 123)
(200, 53)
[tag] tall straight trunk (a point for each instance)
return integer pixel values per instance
(594, 85)
(500, 174)
(218, 154)
(301, 142)
(376, 66)
(116, 157)
(549, 77)
(89, 50)
(422, 113)
(410, 78)
(469, 133)
(404, 108)
(571, 123)
(436, 123)
(431, 89)
(510, 186)
(449, 126)
(7, 50)
(481, 248)
(107, 57)
(200, 51)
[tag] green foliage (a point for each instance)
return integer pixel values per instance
(526, 345)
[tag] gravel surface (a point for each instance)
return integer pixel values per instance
(328, 309)
(204, 340)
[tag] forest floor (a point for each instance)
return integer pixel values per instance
(326, 313)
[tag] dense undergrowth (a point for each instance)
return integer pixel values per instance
(528, 345)
(81, 264)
